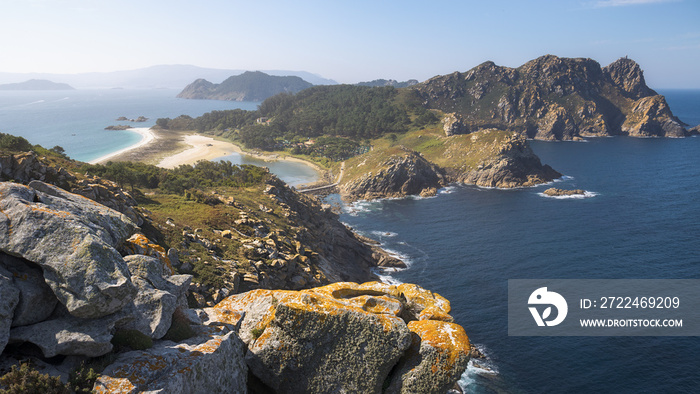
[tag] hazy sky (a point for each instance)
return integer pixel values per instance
(349, 41)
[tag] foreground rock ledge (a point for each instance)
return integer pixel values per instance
(347, 337)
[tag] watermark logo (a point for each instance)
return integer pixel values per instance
(543, 297)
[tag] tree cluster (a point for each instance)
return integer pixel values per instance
(203, 175)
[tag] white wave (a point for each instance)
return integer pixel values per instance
(586, 194)
(401, 256)
(474, 368)
(383, 233)
(447, 190)
(33, 102)
(384, 277)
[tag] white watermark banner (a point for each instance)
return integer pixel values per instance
(604, 307)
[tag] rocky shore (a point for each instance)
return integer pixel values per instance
(81, 281)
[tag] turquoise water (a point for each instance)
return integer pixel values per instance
(76, 119)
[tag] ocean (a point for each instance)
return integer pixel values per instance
(641, 220)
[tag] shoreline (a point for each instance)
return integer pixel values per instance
(170, 149)
(147, 137)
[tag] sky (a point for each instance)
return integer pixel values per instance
(349, 41)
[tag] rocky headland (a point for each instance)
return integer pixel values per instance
(486, 158)
(553, 98)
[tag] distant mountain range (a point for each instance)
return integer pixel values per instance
(249, 86)
(155, 77)
(36, 84)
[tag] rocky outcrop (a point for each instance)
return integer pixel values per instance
(514, 165)
(211, 361)
(554, 192)
(453, 124)
(404, 173)
(65, 286)
(652, 117)
(109, 194)
(249, 86)
(627, 75)
(73, 240)
(26, 167)
(554, 98)
(347, 337)
(435, 360)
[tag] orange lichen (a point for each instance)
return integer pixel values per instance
(449, 338)
(420, 297)
(140, 244)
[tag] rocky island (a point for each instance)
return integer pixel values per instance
(249, 86)
(118, 127)
(554, 192)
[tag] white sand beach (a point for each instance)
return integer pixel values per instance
(208, 148)
(202, 148)
(147, 137)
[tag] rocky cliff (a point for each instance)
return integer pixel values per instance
(512, 163)
(487, 158)
(80, 279)
(249, 86)
(404, 173)
(554, 98)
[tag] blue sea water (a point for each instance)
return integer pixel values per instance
(642, 220)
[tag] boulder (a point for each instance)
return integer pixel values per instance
(73, 240)
(438, 356)
(68, 335)
(36, 300)
(159, 294)
(344, 337)
(9, 294)
(211, 362)
(139, 244)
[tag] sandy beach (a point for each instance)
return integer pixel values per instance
(147, 137)
(170, 149)
(208, 148)
(201, 148)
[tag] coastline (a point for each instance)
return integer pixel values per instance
(147, 137)
(169, 149)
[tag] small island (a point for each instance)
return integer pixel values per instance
(125, 119)
(118, 127)
(554, 192)
(36, 84)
